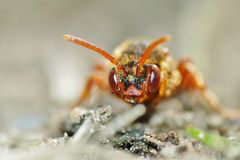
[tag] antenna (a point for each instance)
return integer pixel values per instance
(151, 47)
(90, 46)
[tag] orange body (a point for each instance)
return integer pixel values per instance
(143, 72)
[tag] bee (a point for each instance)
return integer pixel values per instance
(142, 72)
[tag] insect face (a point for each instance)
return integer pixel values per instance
(135, 81)
(132, 85)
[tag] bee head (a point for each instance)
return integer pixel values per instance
(132, 85)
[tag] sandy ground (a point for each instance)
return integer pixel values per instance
(176, 131)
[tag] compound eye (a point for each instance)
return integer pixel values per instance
(113, 80)
(154, 80)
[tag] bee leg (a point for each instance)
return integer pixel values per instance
(192, 80)
(94, 80)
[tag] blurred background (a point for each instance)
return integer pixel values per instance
(41, 73)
